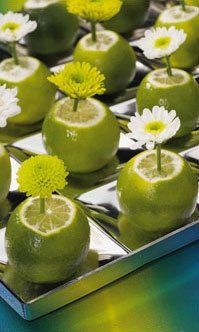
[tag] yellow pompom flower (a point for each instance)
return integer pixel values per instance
(41, 176)
(94, 10)
(79, 80)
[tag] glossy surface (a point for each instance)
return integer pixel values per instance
(162, 297)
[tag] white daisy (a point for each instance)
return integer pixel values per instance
(8, 104)
(161, 42)
(15, 26)
(153, 127)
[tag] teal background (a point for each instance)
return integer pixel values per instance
(163, 296)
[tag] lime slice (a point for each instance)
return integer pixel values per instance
(89, 113)
(59, 214)
(86, 140)
(146, 166)
(176, 14)
(112, 55)
(47, 248)
(157, 202)
(160, 78)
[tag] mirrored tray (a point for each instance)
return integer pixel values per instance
(113, 253)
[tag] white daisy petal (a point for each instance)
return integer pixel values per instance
(8, 104)
(15, 26)
(161, 42)
(153, 127)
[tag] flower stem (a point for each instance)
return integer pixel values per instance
(14, 53)
(93, 31)
(182, 2)
(75, 105)
(158, 150)
(169, 70)
(42, 205)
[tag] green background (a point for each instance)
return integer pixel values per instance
(161, 297)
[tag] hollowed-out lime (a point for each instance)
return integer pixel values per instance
(87, 139)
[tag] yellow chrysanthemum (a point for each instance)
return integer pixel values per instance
(41, 176)
(79, 80)
(94, 10)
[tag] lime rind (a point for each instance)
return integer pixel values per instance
(89, 113)
(159, 78)
(13, 73)
(146, 166)
(59, 214)
(176, 14)
(34, 4)
(105, 40)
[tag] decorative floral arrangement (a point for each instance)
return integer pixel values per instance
(79, 81)
(14, 27)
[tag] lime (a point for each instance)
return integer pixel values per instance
(192, 2)
(14, 5)
(187, 55)
(47, 248)
(56, 28)
(157, 201)
(35, 93)
(131, 235)
(131, 16)
(86, 140)
(5, 173)
(112, 55)
(179, 92)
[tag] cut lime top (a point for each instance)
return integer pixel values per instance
(146, 166)
(105, 40)
(11, 72)
(59, 214)
(89, 113)
(31, 4)
(176, 14)
(159, 78)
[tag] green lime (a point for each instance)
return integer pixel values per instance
(192, 2)
(86, 140)
(36, 95)
(179, 92)
(56, 28)
(5, 173)
(157, 201)
(13, 5)
(187, 56)
(131, 16)
(47, 248)
(131, 235)
(112, 55)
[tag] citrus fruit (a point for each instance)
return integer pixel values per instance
(35, 93)
(112, 55)
(86, 140)
(192, 2)
(131, 16)
(56, 28)
(187, 55)
(179, 92)
(157, 201)
(14, 5)
(47, 248)
(131, 235)
(5, 173)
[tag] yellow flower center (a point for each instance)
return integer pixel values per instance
(12, 26)
(77, 78)
(155, 127)
(162, 42)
